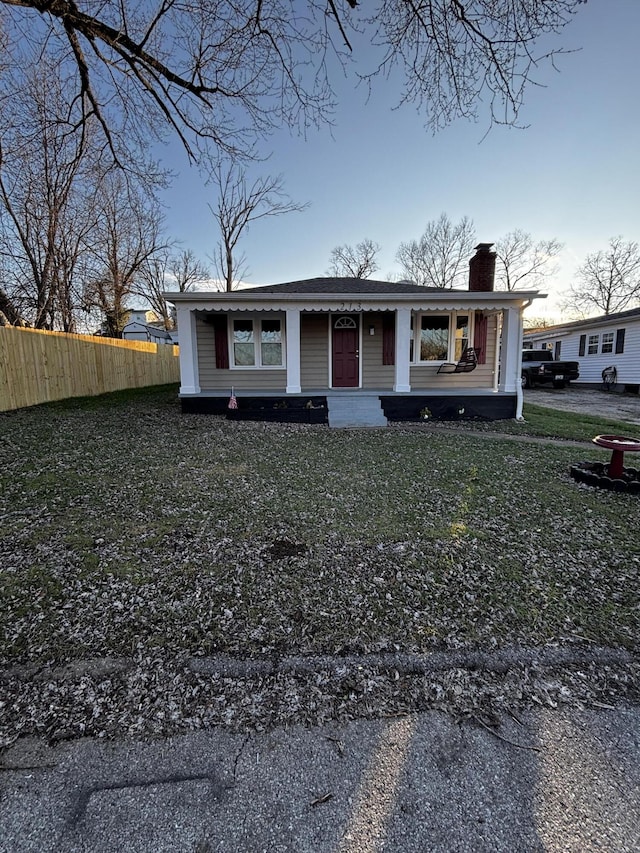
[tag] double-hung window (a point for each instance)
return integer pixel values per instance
(592, 344)
(461, 340)
(257, 342)
(441, 337)
(607, 342)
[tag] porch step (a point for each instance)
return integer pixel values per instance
(354, 410)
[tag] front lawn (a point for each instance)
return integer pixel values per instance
(126, 525)
(131, 532)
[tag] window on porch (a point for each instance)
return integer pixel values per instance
(271, 342)
(434, 338)
(441, 337)
(461, 341)
(257, 342)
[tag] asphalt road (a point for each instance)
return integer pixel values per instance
(553, 780)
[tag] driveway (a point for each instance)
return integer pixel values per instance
(614, 406)
(559, 781)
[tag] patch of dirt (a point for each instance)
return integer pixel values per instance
(282, 548)
(610, 405)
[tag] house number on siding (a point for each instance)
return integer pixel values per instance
(350, 306)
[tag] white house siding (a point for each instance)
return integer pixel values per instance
(314, 351)
(627, 363)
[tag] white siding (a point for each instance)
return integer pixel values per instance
(626, 363)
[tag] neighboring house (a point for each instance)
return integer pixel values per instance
(143, 315)
(146, 326)
(144, 332)
(299, 344)
(598, 343)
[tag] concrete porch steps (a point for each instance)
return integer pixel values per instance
(347, 410)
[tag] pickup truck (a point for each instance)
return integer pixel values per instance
(538, 367)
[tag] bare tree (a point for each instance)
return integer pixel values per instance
(537, 323)
(608, 280)
(168, 270)
(519, 258)
(9, 314)
(440, 258)
(127, 236)
(186, 270)
(220, 72)
(43, 215)
(354, 262)
(241, 202)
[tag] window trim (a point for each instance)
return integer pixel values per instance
(451, 342)
(256, 320)
(610, 342)
(593, 341)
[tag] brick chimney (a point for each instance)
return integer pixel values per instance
(482, 268)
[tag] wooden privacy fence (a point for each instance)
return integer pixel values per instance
(38, 367)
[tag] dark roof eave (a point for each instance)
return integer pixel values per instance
(433, 295)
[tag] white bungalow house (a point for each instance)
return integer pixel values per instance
(292, 350)
(597, 343)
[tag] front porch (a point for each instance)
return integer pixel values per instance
(293, 351)
(313, 406)
(285, 349)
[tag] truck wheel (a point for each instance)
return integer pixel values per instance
(526, 381)
(559, 383)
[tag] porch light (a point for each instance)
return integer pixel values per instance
(372, 330)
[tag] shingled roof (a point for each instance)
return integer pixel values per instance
(342, 285)
(587, 323)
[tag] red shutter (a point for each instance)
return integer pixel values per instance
(389, 338)
(480, 337)
(222, 343)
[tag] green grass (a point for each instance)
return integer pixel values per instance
(127, 526)
(552, 422)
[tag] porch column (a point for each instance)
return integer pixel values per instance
(189, 374)
(293, 350)
(403, 339)
(511, 356)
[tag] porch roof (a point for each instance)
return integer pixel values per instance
(350, 295)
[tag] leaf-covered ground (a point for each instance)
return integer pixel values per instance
(131, 532)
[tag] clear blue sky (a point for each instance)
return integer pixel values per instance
(573, 174)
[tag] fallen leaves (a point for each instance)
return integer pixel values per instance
(133, 533)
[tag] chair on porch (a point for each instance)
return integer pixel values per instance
(468, 362)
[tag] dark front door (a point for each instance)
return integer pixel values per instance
(345, 352)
